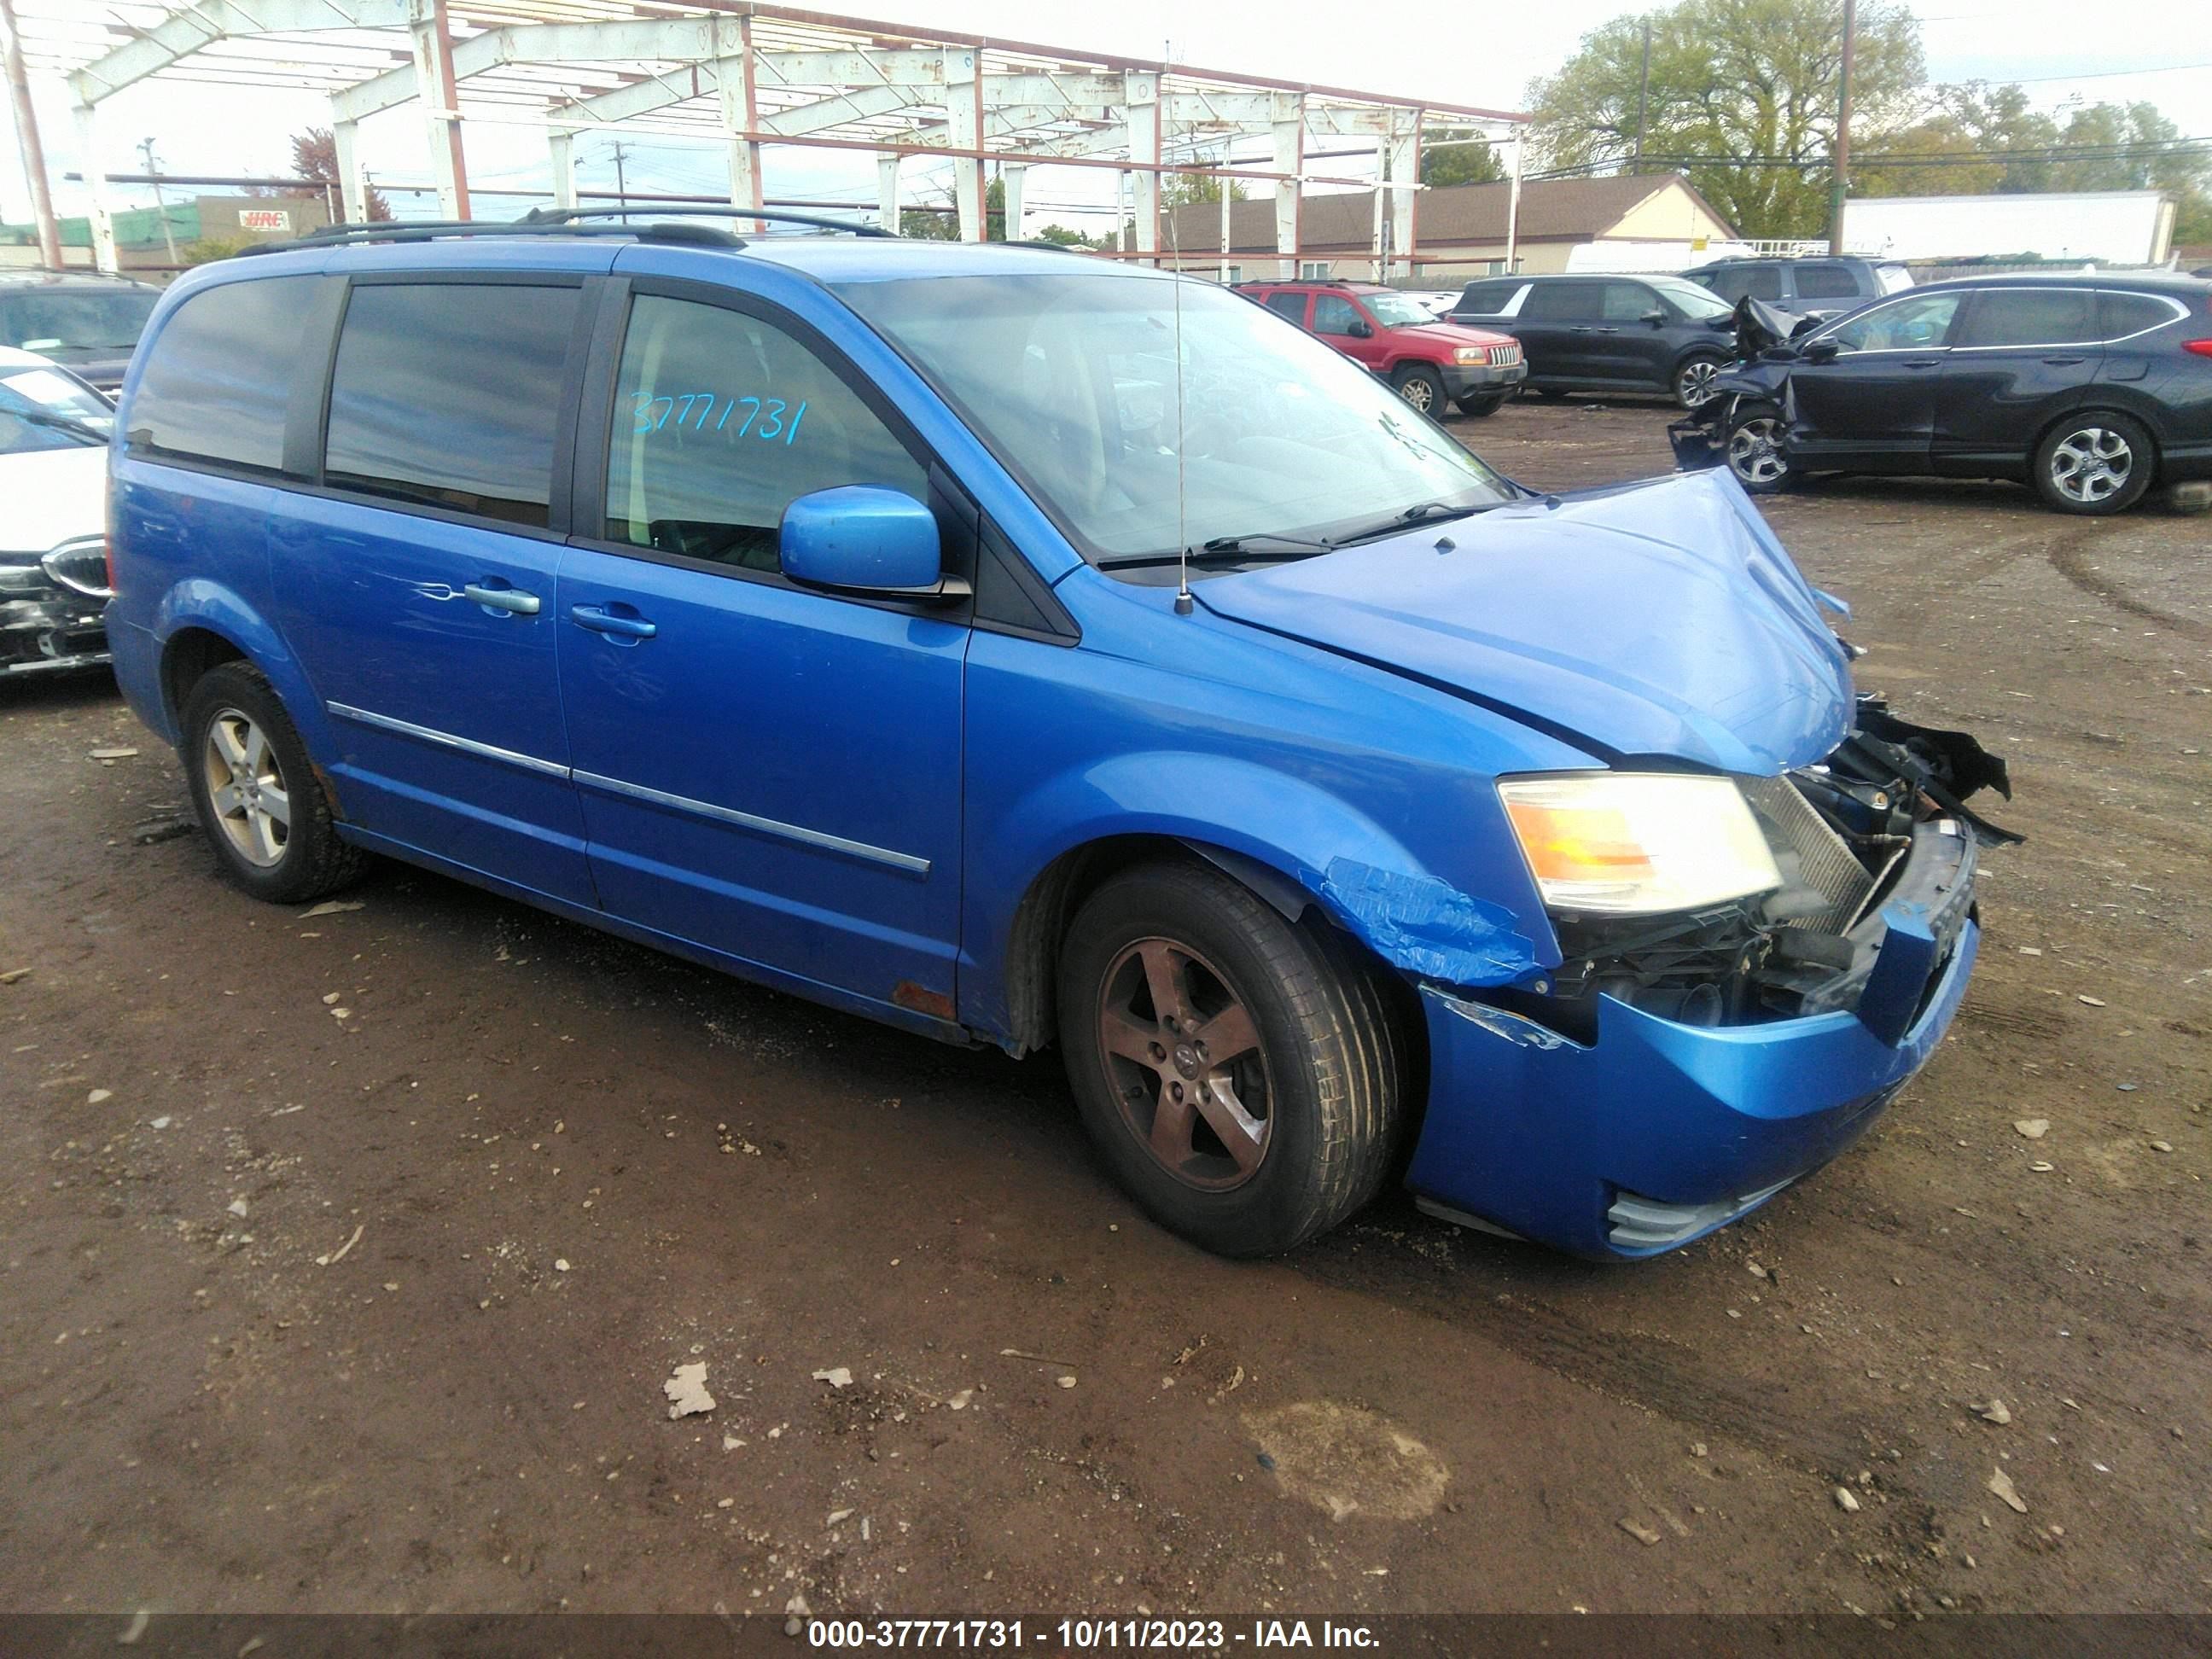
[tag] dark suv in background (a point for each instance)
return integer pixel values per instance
(1816, 288)
(2091, 389)
(85, 321)
(1609, 333)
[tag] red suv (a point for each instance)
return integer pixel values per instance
(1426, 359)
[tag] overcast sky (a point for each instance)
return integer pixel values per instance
(2065, 51)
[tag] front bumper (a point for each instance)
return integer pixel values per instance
(1470, 379)
(49, 634)
(1657, 1132)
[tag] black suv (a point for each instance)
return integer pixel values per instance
(83, 319)
(1609, 333)
(1816, 288)
(2090, 388)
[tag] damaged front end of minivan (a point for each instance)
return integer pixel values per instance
(1694, 1064)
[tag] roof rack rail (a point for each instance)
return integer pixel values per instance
(777, 216)
(426, 230)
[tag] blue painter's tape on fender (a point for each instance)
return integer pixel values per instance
(1428, 927)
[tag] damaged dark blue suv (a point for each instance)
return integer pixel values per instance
(1021, 651)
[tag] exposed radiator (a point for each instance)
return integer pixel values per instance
(1824, 863)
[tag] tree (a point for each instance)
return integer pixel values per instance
(1190, 189)
(1749, 79)
(315, 155)
(208, 249)
(1468, 158)
(1061, 236)
(1949, 151)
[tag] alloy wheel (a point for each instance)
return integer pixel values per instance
(1693, 386)
(1183, 1060)
(1418, 393)
(2091, 465)
(245, 787)
(1754, 451)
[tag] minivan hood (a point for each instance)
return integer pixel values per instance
(1660, 619)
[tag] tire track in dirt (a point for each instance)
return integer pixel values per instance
(2069, 556)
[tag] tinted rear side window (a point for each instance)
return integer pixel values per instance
(215, 386)
(1487, 299)
(1292, 305)
(447, 394)
(1562, 299)
(1825, 282)
(2122, 314)
(2029, 317)
(1732, 282)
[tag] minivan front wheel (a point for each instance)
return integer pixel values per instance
(2095, 463)
(1237, 1071)
(1420, 386)
(1693, 381)
(258, 800)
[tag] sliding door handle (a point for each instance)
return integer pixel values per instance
(600, 620)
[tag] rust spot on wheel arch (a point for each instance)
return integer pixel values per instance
(922, 999)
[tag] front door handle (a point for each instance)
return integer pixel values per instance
(2064, 363)
(1923, 362)
(600, 620)
(510, 599)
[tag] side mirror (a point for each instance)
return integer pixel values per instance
(1359, 331)
(857, 539)
(1819, 351)
(1657, 318)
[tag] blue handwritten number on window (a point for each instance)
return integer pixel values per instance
(774, 427)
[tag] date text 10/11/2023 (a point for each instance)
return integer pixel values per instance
(1169, 1634)
(773, 426)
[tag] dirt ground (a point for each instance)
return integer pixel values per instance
(345, 1256)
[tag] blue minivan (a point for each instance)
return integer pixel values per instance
(1024, 649)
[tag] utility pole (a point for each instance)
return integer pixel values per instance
(26, 128)
(1840, 182)
(621, 190)
(1643, 96)
(161, 207)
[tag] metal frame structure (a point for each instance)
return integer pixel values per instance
(750, 75)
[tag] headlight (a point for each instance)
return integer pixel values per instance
(1637, 843)
(1470, 355)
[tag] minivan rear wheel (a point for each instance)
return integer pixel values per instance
(1237, 1071)
(259, 798)
(1420, 386)
(2096, 462)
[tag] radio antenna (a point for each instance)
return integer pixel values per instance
(1184, 604)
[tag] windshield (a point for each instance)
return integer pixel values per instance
(1397, 310)
(1072, 382)
(45, 409)
(1696, 303)
(60, 321)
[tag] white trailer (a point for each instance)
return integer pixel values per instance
(2115, 227)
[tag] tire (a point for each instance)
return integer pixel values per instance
(1421, 387)
(243, 761)
(1482, 407)
(1313, 1094)
(1549, 393)
(1753, 449)
(1693, 384)
(2094, 462)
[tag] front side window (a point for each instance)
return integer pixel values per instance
(1396, 311)
(1697, 304)
(2032, 317)
(219, 376)
(446, 394)
(1922, 323)
(45, 409)
(1073, 380)
(721, 420)
(1627, 302)
(1333, 314)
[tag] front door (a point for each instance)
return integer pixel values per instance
(767, 772)
(1335, 318)
(417, 588)
(1557, 329)
(1873, 405)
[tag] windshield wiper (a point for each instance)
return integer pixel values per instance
(60, 423)
(1229, 550)
(1420, 512)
